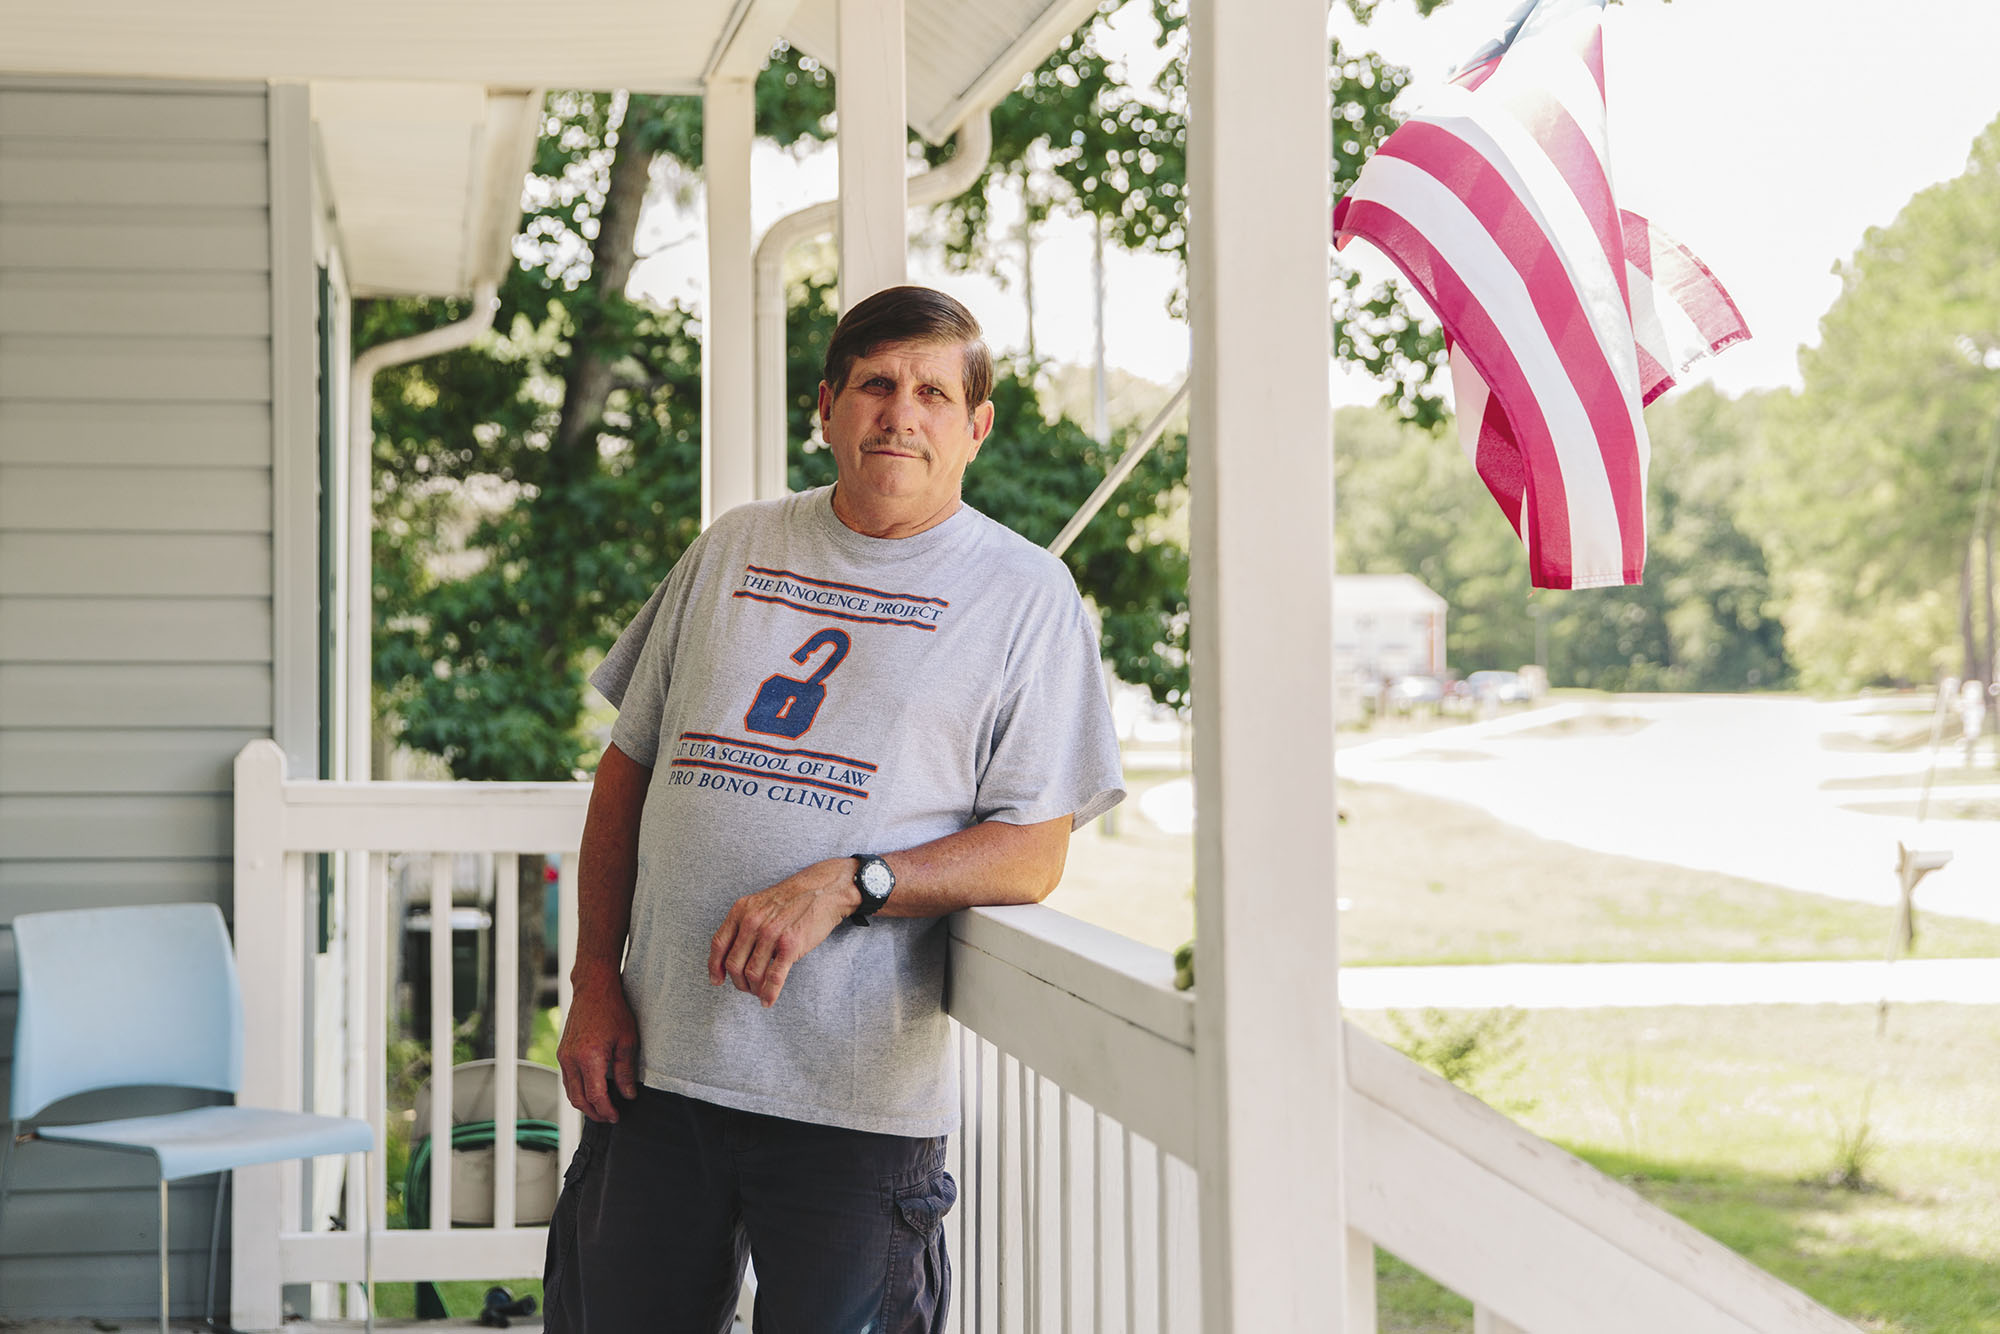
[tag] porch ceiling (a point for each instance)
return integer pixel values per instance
(426, 108)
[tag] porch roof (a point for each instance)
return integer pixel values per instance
(426, 109)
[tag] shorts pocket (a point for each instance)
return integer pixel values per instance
(561, 1311)
(919, 1291)
(924, 1207)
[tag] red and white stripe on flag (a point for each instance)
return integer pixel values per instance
(1564, 315)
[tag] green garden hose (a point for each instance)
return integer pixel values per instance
(538, 1135)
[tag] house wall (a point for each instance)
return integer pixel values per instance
(158, 443)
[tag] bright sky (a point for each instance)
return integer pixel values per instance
(1767, 135)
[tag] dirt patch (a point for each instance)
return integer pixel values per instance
(1941, 808)
(1587, 724)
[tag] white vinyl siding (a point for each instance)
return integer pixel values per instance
(136, 581)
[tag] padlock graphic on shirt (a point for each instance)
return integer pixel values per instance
(786, 706)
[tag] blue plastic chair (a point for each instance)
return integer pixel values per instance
(122, 997)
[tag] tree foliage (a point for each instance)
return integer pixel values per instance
(1705, 619)
(531, 489)
(1877, 469)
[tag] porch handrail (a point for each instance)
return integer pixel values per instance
(1537, 1238)
(1060, 1016)
(279, 822)
(1088, 1008)
(1529, 1232)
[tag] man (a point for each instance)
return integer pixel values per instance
(843, 715)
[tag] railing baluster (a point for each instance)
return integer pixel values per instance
(506, 1029)
(375, 1096)
(295, 1179)
(1185, 1227)
(972, 1222)
(1100, 1223)
(1163, 1214)
(1362, 1312)
(1003, 1225)
(441, 1041)
(358, 949)
(1064, 1236)
(1031, 1161)
(1131, 1253)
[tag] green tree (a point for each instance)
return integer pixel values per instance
(1408, 501)
(1877, 489)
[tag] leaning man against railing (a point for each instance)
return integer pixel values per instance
(843, 715)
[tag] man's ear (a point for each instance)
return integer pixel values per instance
(982, 422)
(825, 403)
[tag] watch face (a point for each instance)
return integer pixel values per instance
(876, 880)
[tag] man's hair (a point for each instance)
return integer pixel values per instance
(910, 315)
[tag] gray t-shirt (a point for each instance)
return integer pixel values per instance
(802, 691)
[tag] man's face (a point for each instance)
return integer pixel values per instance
(900, 428)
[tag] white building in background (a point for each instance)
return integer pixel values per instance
(1386, 626)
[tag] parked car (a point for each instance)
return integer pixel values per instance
(1410, 691)
(1500, 687)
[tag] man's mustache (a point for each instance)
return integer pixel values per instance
(878, 444)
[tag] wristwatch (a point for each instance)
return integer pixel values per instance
(874, 879)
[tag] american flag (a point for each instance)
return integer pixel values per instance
(1565, 315)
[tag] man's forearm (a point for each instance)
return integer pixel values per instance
(988, 864)
(985, 865)
(992, 863)
(609, 865)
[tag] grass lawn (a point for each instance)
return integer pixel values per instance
(1740, 1121)
(1433, 882)
(1735, 1119)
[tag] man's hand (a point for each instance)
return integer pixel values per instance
(769, 931)
(600, 1047)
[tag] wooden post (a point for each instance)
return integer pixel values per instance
(269, 919)
(295, 649)
(727, 353)
(870, 101)
(1268, 1029)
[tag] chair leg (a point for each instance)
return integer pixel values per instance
(367, 1244)
(7, 1164)
(215, 1246)
(163, 1255)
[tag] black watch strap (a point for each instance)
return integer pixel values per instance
(874, 880)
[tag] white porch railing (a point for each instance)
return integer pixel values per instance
(1079, 1206)
(279, 823)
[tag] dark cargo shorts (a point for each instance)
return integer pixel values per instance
(659, 1211)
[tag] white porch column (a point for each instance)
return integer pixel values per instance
(728, 370)
(869, 99)
(269, 930)
(1268, 1026)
